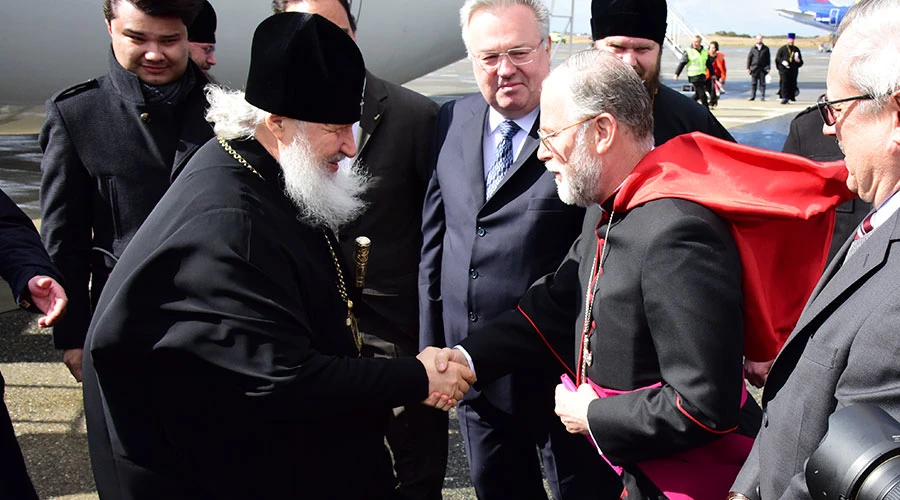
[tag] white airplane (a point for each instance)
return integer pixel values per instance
(48, 45)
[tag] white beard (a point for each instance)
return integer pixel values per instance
(580, 177)
(322, 197)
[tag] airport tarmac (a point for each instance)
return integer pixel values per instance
(45, 402)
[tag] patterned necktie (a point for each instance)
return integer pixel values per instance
(503, 160)
(862, 232)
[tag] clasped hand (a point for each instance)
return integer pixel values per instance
(449, 376)
(572, 407)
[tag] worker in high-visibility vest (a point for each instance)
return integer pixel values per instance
(697, 60)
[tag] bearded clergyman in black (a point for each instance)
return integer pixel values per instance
(223, 359)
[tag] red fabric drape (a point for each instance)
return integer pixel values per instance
(780, 208)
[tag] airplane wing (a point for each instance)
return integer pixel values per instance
(807, 18)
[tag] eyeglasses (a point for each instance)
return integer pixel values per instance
(829, 113)
(545, 138)
(518, 56)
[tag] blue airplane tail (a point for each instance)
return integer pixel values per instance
(815, 5)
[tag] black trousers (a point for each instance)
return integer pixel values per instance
(14, 480)
(699, 82)
(758, 76)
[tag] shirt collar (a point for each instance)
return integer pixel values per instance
(525, 123)
(886, 210)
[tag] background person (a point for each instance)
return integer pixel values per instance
(788, 60)
(699, 65)
(716, 82)
(202, 38)
(102, 173)
(34, 282)
(759, 60)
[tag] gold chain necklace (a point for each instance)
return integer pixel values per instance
(351, 321)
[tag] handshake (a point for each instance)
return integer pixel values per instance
(449, 376)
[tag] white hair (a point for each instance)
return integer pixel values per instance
(870, 37)
(599, 82)
(541, 14)
(230, 113)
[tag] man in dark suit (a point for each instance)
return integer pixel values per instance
(393, 137)
(224, 360)
(759, 60)
(492, 225)
(111, 147)
(843, 350)
(34, 282)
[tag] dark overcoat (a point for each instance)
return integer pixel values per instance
(109, 155)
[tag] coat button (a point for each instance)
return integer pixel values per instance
(473, 273)
(145, 117)
(765, 419)
(480, 232)
(472, 317)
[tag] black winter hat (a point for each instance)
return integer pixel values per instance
(634, 18)
(204, 28)
(304, 67)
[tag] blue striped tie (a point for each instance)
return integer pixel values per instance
(503, 160)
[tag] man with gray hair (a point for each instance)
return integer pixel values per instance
(224, 352)
(492, 225)
(843, 351)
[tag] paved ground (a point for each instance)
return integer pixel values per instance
(45, 402)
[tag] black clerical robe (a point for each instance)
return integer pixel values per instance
(219, 365)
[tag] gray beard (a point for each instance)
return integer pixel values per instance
(581, 186)
(323, 198)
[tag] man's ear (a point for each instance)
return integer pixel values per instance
(604, 129)
(893, 105)
(275, 124)
(109, 27)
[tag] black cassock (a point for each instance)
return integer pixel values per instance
(219, 365)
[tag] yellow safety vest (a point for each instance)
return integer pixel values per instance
(696, 62)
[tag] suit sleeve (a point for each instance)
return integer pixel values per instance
(431, 325)
(681, 64)
(22, 256)
(538, 333)
(691, 289)
(66, 224)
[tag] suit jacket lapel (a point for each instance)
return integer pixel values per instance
(374, 105)
(472, 146)
(836, 280)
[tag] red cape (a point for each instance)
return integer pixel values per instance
(781, 211)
